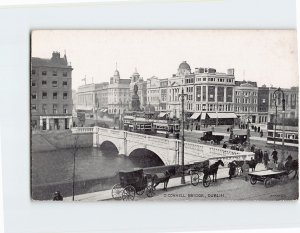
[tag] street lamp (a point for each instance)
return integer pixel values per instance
(276, 96)
(182, 95)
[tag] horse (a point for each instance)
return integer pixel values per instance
(292, 165)
(213, 170)
(163, 177)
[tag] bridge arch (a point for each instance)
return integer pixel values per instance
(145, 158)
(108, 145)
(160, 153)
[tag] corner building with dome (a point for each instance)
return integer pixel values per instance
(209, 95)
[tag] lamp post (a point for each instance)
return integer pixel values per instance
(182, 95)
(276, 96)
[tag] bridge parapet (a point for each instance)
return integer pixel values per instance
(80, 130)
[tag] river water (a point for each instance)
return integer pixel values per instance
(54, 167)
(57, 166)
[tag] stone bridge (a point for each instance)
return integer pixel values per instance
(167, 149)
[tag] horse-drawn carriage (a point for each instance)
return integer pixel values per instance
(201, 172)
(132, 183)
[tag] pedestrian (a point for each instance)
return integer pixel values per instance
(245, 169)
(261, 133)
(258, 129)
(266, 159)
(256, 155)
(224, 145)
(232, 167)
(255, 128)
(57, 196)
(275, 156)
(260, 156)
(227, 129)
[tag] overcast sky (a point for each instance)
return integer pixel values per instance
(267, 57)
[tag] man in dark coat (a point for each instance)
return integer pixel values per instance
(224, 145)
(57, 196)
(266, 159)
(275, 156)
(232, 167)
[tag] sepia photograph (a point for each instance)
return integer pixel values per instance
(164, 115)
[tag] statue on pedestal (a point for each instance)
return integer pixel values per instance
(135, 101)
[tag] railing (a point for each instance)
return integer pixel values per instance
(80, 130)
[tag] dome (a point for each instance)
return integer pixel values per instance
(116, 73)
(184, 66)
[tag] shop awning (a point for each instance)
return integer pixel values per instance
(104, 110)
(203, 115)
(162, 114)
(195, 115)
(223, 115)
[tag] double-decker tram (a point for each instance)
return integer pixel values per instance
(151, 124)
(275, 133)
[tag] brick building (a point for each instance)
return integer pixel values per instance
(51, 93)
(246, 94)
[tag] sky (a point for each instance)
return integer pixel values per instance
(265, 56)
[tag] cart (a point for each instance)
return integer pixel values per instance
(199, 173)
(132, 183)
(268, 177)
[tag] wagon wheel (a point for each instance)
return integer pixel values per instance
(116, 192)
(206, 182)
(195, 178)
(140, 192)
(128, 193)
(268, 182)
(253, 180)
(150, 191)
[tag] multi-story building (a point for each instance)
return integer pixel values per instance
(163, 94)
(291, 103)
(208, 93)
(153, 94)
(246, 95)
(51, 93)
(263, 95)
(118, 94)
(92, 97)
(142, 88)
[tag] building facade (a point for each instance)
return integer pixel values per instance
(263, 95)
(208, 93)
(153, 92)
(291, 96)
(246, 101)
(92, 97)
(118, 94)
(51, 93)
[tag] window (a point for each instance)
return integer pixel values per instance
(65, 96)
(65, 108)
(44, 95)
(54, 95)
(33, 83)
(54, 73)
(204, 79)
(33, 96)
(33, 107)
(44, 83)
(44, 108)
(44, 72)
(33, 72)
(54, 108)
(54, 83)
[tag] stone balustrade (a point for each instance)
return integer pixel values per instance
(166, 148)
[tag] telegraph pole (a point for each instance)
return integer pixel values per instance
(182, 95)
